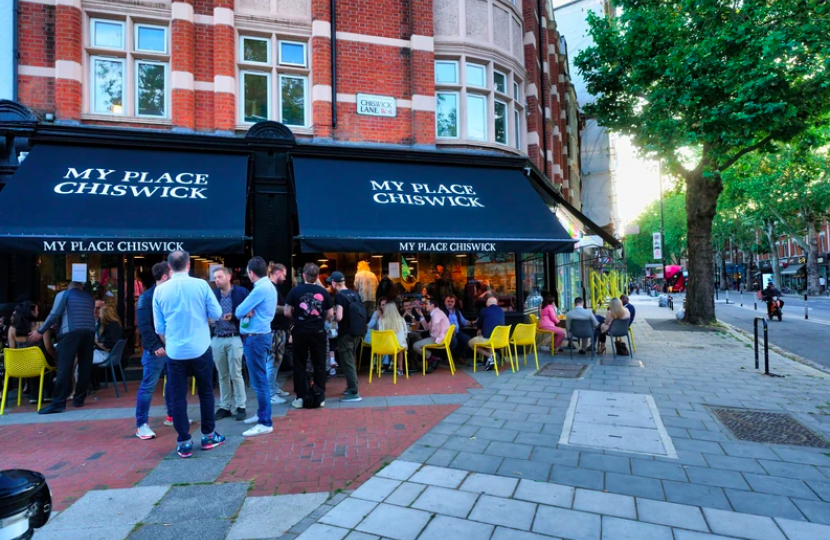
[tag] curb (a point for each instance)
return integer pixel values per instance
(778, 350)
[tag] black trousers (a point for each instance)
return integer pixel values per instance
(78, 343)
(306, 343)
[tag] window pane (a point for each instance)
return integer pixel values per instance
(476, 118)
(446, 115)
(500, 81)
(151, 89)
(293, 101)
(517, 127)
(516, 91)
(108, 34)
(476, 75)
(446, 72)
(255, 50)
(255, 108)
(152, 39)
(109, 86)
(292, 53)
(496, 275)
(501, 122)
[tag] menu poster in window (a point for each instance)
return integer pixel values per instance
(394, 270)
(79, 272)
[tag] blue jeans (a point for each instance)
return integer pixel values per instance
(177, 371)
(257, 354)
(153, 367)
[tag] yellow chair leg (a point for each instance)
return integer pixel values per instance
(514, 362)
(424, 361)
(371, 366)
(475, 357)
(40, 391)
(536, 357)
(19, 390)
(406, 363)
(631, 335)
(193, 390)
(524, 351)
(5, 392)
(395, 369)
(452, 364)
(495, 364)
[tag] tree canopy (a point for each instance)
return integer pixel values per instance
(639, 248)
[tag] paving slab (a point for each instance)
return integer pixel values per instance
(186, 471)
(214, 529)
(348, 513)
(763, 504)
(443, 527)
(323, 532)
(405, 494)
(624, 484)
(624, 529)
(200, 502)
(503, 533)
(445, 501)
(792, 470)
(267, 517)
(798, 530)
(671, 514)
(395, 522)
(658, 469)
(569, 524)
(517, 468)
(604, 503)
(817, 512)
(476, 462)
(578, 477)
(112, 532)
(775, 485)
(822, 489)
(439, 476)
(490, 485)
(545, 493)
(742, 525)
(376, 489)
(695, 494)
(505, 512)
(111, 509)
(399, 470)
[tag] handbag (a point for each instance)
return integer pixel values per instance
(622, 348)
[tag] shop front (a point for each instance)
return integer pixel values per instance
(794, 274)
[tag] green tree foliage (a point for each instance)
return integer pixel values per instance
(721, 77)
(639, 248)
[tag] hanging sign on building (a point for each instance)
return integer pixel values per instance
(657, 244)
(370, 105)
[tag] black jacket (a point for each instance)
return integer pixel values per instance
(146, 325)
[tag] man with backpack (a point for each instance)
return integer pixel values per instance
(351, 319)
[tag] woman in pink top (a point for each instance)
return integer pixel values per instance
(549, 321)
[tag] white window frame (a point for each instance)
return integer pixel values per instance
(167, 83)
(267, 75)
(484, 98)
(516, 93)
(136, 29)
(483, 67)
(517, 129)
(506, 83)
(455, 67)
(242, 60)
(305, 53)
(306, 100)
(506, 122)
(457, 114)
(123, 25)
(93, 84)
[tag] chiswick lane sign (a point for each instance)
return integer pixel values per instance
(115, 183)
(370, 105)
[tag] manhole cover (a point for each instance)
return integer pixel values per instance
(620, 363)
(563, 371)
(671, 325)
(768, 427)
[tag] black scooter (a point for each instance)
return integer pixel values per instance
(774, 308)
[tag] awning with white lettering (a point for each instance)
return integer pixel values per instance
(347, 205)
(70, 199)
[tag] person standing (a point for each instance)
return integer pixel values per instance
(438, 327)
(154, 357)
(348, 341)
(310, 305)
(280, 326)
(366, 283)
(257, 312)
(73, 311)
(182, 307)
(227, 346)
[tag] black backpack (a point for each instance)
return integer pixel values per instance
(358, 322)
(313, 397)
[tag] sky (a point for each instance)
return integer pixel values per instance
(637, 181)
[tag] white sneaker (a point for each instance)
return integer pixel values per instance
(252, 420)
(276, 400)
(144, 432)
(258, 429)
(297, 403)
(333, 372)
(283, 393)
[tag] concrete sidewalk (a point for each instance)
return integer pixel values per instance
(534, 457)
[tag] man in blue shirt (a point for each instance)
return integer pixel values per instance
(489, 318)
(182, 307)
(630, 307)
(256, 313)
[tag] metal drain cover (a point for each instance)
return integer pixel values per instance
(768, 427)
(562, 371)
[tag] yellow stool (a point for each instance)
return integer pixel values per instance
(443, 345)
(499, 340)
(385, 342)
(23, 364)
(524, 335)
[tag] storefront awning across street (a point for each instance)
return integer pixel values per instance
(792, 269)
(70, 199)
(383, 207)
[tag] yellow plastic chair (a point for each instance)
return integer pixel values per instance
(385, 342)
(524, 335)
(631, 334)
(443, 345)
(23, 364)
(541, 332)
(164, 388)
(499, 341)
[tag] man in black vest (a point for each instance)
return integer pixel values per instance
(73, 311)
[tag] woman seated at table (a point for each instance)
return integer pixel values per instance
(109, 333)
(392, 320)
(549, 322)
(25, 319)
(615, 311)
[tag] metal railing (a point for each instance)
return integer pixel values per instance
(766, 347)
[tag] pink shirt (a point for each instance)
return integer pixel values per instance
(549, 319)
(439, 324)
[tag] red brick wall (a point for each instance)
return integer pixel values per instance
(36, 30)
(183, 58)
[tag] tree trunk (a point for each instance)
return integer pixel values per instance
(701, 204)
(813, 287)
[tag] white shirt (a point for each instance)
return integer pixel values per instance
(182, 306)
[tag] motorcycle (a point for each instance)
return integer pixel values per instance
(774, 308)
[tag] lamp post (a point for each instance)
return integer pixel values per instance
(662, 227)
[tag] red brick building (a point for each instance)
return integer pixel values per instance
(480, 74)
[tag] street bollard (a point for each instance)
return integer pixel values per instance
(727, 295)
(742, 298)
(806, 316)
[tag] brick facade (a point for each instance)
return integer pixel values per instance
(390, 55)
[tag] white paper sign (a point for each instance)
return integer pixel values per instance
(657, 242)
(394, 270)
(79, 272)
(370, 105)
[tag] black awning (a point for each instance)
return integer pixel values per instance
(372, 206)
(112, 200)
